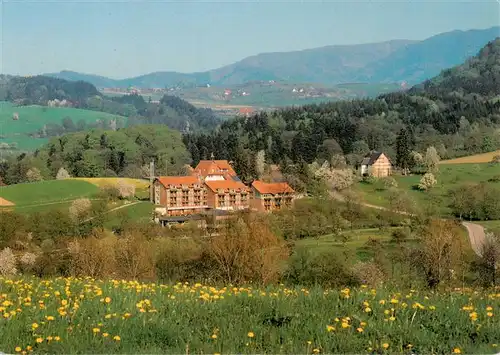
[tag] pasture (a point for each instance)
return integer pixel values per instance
(48, 193)
(449, 177)
(73, 315)
(33, 118)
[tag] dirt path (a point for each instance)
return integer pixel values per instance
(114, 209)
(477, 236)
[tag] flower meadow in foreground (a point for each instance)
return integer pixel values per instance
(70, 315)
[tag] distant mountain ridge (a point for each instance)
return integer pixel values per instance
(384, 62)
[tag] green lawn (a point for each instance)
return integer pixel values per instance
(47, 193)
(356, 243)
(449, 177)
(33, 118)
(140, 212)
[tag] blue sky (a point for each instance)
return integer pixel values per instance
(122, 39)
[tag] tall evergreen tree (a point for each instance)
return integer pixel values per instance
(403, 149)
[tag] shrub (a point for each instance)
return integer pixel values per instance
(62, 174)
(27, 262)
(368, 273)
(326, 268)
(246, 250)
(496, 159)
(79, 208)
(109, 193)
(427, 182)
(125, 189)
(33, 175)
(7, 263)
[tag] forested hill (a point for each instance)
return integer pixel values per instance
(479, 75)
(443, 112)
(171, 111)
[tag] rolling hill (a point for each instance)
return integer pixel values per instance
(23, 132)
(392, 61)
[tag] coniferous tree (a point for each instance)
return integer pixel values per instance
(403, 149)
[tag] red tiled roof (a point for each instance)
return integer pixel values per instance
(214, 185)
(178, 180)
(209, 167)
(271, 188)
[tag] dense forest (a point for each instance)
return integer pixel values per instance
(458, 112)
(171, 111)
(126, 152)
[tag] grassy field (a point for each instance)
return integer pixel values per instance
(449, 177)
(478, 158)
(356, 243)
(33, 118)
(46, 193)
(70, 315)
(139, 212)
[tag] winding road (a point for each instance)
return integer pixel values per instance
(476, 233)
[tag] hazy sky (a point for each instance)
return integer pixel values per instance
(127, 38)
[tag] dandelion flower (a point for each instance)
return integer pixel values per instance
(489, 308)
(105, 335)
(34, 326)
(345, 325)
(392, 319)
(360, 330)
(57, 338)
(214, 336)
(117, 338)
(96, 330)
(107, 299)
(250, 334)
(457, 351)
(49, 318)
(316, 350)
(489, 314)
(385, 345)
(18, 349)
(330, 328)
(368, 309)
(39, 340)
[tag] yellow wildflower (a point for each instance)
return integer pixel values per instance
(385, 345)
(34, 326)
(345, 325)
(457, 351)
(18, 349)
(105, 335)
(214, 336)
(330, 328)
(316, 350)
(489, 314)
(117, 338)
(107, 299)
(360, 330)
(57, 338)
(39, 340)
(250, 334)
(368, 309)
(96, 330)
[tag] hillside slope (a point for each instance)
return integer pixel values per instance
(457, 124)
(392, 61)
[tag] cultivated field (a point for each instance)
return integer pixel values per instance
(70, 315)
(33, 118)
(478, 158)
(102, 182)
